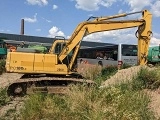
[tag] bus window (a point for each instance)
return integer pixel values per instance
(115, 55)
(110, 55)
(129, 50)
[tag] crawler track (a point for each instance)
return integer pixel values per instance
(55, 85)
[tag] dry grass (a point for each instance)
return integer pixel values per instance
(89, 71)
(81, 103)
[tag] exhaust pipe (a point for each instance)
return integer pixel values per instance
(22, 27)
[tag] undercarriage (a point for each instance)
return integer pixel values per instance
(29, 84)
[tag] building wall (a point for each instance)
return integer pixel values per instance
(15, 37)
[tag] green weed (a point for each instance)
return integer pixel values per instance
(106, 73)
(149, 78)
(3, 97)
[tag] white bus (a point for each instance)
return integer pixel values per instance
(109, 55)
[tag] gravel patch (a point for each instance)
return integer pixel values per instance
(7, 78)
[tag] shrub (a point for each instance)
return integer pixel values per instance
(106, 73)
(109, 71)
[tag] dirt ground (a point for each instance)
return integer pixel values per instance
(15, 104)
(7, 78)
(155, 102)
(121, 75)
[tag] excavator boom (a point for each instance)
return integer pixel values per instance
(103, 24)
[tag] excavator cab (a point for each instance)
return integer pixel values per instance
(57, 48)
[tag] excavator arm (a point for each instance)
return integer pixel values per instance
(104, 24)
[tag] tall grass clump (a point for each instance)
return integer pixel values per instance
(96, 73)
(106, 73)
(109, 71)
(41, 106)
(149, 78)
(89, 71)
(116, 102)
(119, 102)
(2, 66)
(3, 97)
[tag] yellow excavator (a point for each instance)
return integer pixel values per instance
(54, 71)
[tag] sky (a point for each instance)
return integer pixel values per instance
(50, 18)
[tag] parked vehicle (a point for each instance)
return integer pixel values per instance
(154, 55)
(3, 49)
